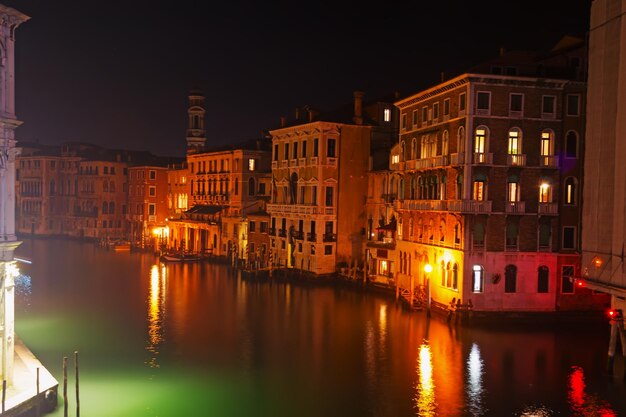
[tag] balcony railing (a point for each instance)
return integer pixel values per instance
(457, 158)
(272, 231)
(311, 237)
(330, 237)
(469, 206)
(550, 161)
(425, 205)
(548, 208)
(297, 209)
(331, 161)
(282, 233)
(483, 158)
(518, 160)
(515, 206)
(298, 234)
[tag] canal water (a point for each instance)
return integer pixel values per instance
(198, 340)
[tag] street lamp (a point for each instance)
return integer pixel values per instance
(428, 268)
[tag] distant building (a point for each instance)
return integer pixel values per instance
(485, 183)
(223, 185)
(147, 210)
(319, 174)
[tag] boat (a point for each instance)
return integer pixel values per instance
(179, 257)
(121, 246)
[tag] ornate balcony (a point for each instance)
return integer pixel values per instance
(551, 209)
(330, 237)
(424, 205)
(311, 237)
(469, 206)
(549, 161)
(516, 207)
(483, 158)
(282, 233)
(518, 160)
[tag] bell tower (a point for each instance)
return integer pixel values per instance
(196, 135)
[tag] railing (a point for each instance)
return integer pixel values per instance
(331, 161)
(298, 234)
(311, 237)
(425, 205)
(515, 206)
(548, 208)
(469, 206)
(483, 158)
(295, 209)
(457, 158)
(284, 163)
(282, 233)
(272, 231)
(313, 160)
(550, 161)
(329, 237)
(518, 160)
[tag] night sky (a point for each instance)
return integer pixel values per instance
(117, 73)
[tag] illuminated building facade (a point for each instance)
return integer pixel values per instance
(319, 174)
(178, 190)
(148, 205)
(604, 195)
(485, 184)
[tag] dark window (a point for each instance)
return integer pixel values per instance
(542, 279)
(462, 102)
(569, 237)
(328, 250)
(567, 282)
(329, 196)
(573, 102)
(315, 147)
(482, 101)
(516, 102)
(286, 151)
(304, 149)
(547, 105)
(252, 227)
(571, 145)
(330, 150)
(295, 150)
(510, 278)
(275, 152)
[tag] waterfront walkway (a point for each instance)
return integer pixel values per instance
(21, 397)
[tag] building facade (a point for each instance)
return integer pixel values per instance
(147, 210)
(485, 186)
(319, 175)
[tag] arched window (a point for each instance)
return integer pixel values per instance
(112, 186)
(510, 278)
(478, 278)
(442, 232)
(52, 187)
(571, 188)
(112, 207)
(478, 235)
(105, 207)
(545, 191)
(481, 144)
(513, 188)
(571, 144)
(420, 229)
(293, 187)
(511, 235)
(479, 188)
(445, 143)
(411, 229)
(455, 275)
(105, 186)
(443, 191)
(414, 188)
(401, 189)
(460, 146)
(414, 148)
(459, 187)
(444, 277)
(402, 151)
(514, 148)
(543, 274)
(547, 148)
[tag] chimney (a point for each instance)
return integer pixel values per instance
(443, 76)
(311, 114)
(297, 113)
(502, 51)
(358, 108)
(283, 121)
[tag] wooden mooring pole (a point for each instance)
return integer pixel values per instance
(65, 386)
(4, 393)
(38, 400)
(77, 385)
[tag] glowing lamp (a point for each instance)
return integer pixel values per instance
(428, 268)
(596, 261)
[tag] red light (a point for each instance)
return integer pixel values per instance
(580, 283)
(611, 313)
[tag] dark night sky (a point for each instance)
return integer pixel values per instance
(117, 73)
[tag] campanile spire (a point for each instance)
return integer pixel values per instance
(196, 135)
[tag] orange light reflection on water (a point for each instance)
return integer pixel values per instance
(425, 389)
(156, 303)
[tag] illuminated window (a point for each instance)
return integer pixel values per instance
(251, 164)
(445, 143)
(514, 142)
(545, 193)
(570, 190)
(513, 190)
(547, 148)
(384, 267)
(387, 115)
(480, 139)
(478, 190)
(478, 278)
(395, 159)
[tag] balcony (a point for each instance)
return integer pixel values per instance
(329, 237)
(284, 163)
(313, 160)
(424, 205)
(274, 164)
(517, 160)
(434, 162)
(283, 209)
(330, 161)
(302, 162)
(293, 163)
(469, 206)
(514, 207)
(311, 237)
(483, 158)
(457, 158)
(272, 231)
(282, 232)
(549, 161)
(384, 243)
(551, 209)
(298, 235)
